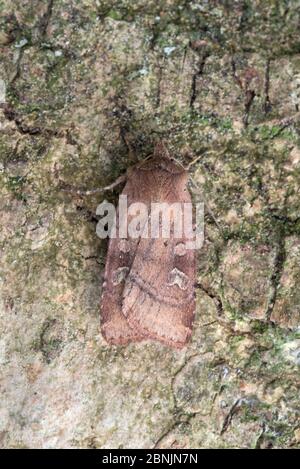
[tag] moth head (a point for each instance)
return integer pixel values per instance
(161, 151)
(162, 159)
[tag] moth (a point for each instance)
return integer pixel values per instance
(149, 282)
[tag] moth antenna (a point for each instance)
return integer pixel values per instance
(188, 167)
(195, 160)
(98, 190)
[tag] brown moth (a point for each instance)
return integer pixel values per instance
(149, 283)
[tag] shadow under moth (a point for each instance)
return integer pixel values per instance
(149, 282)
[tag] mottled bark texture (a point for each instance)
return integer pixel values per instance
(84, 86)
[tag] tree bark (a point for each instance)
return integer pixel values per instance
(85, 89)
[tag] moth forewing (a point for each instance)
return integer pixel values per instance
(149, 290)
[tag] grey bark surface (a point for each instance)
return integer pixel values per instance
(83, 86)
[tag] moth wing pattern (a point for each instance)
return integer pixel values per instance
(160, 302)
(159, 293)
(148, 291)
(114, 326)
(120, 255)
